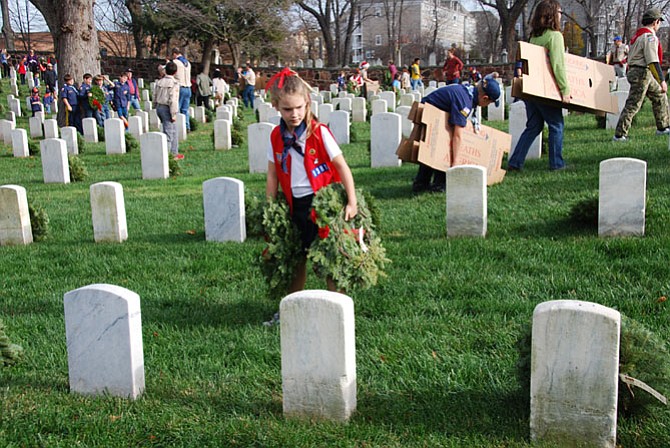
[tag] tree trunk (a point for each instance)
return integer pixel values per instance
(135, 10)
(74, 34)
(7, 26)
(207, 47)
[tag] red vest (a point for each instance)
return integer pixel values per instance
(320, 171)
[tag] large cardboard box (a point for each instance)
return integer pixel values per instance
(430, 144)
(589, 81)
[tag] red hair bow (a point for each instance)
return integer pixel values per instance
(285, 72)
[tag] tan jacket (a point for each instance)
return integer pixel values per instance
(183, 74)
(167, 94)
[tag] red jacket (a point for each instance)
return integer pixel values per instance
(452, 68)
(320, 170)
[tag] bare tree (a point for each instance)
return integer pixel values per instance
(73, 31)
(7, 30)
(337, 21)
(509, 12)
(394, 11)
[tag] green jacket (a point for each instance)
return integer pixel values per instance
(553, 41)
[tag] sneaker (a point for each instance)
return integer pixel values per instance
(179, 156)
(665, 131)
(617, 138)
(513, 168)
(272, 322)
(438, 188)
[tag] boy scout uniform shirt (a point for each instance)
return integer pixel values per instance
(644, 50)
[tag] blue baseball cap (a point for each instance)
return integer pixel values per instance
(617, 38)
(491, 88)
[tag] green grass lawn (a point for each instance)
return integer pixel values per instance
(436, 339)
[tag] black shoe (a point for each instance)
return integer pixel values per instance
(513, 168)
(438, 188)
(561, 168)
(419, 187)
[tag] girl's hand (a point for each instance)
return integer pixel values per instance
(350, 211)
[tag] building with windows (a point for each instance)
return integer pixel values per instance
(403, 30)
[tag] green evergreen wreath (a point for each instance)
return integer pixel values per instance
(9, 353)
(97, 98)
(348, 252)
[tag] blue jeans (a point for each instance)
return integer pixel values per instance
(184, 103)
(537, 115)
(415, 83)
(133, 101)
(248, 96)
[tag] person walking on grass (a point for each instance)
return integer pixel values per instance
(545, 32)
(303, 157)
(645, 77)
(183, 76)
(166, 102)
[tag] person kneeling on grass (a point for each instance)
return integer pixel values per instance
(303, 157)
(166, 102)
(458, 101)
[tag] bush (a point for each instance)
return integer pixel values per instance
(39, 222)
(193, 123)
(237, 133)
(9, 353)
(131, 143)
(585, 212)
(78, 170)
(174, 167)
(101, 133)
(81, 143)
(254, 206)
(210, 116)
(33, 147)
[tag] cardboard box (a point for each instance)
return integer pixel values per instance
(430, 144)
(589, 81)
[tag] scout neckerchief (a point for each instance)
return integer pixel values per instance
(290, 141)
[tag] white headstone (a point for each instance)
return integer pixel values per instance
(181, 127)
(222, 136)
(15, 226)
(613, 119)
(50, 128)
(11, 116)
(140, 83)
(258, 135)
(405, 122)
(315, 108)
(497, 113)
(15, 106)
(154, 154)
(574, 374)
(144, 115)
(135, 126)
(385, 136)
(145, 95)
(466, 201)
(318, 63)
(339, 126)
(7, 128)
(148, 105)
(324, 113)
(406, 99)
(90, 126)
(200, 114)
(69, 135)
(108, 211)
(359, 110)
(225, 217)
(154, 121)
(318, 355)
(326, 96)
(343, 104)
(115, 136)
(20, 143)
(622, 197)
(40, 115)
(389, 96)
(379, 107)
(103, 328)
(55, 166)
(517, 124)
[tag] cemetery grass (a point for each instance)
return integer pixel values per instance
(436, 339)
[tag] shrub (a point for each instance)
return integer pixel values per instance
(193, 123)
(78, 170)
(131, 143)
(39, 222)
(585, 212)
(9, 353)
(101, 133)
(81, 143)
(254, 205)
(174, 166)
(210, 116)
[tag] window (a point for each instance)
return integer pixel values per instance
(378, 11)
(378, 39)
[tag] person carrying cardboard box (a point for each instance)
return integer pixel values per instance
(458, 101)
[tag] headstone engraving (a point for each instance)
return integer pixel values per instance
(259, 140)
(385, 136)
(466, 201)
(622, 197)
(55, 166)
(154, 154)
(224, 210)
(108, 211)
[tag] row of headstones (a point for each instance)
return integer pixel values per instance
(386, 131)
(574, 369)
(621, 207)
(622, 198)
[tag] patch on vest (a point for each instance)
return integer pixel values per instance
(465, 111)
(319, 170)
(278, 156)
